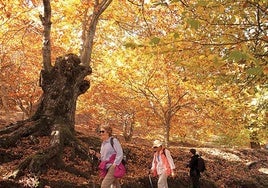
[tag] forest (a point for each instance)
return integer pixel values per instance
(192, 73)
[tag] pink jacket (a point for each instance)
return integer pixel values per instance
(102, 165)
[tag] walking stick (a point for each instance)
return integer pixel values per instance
(150, 179)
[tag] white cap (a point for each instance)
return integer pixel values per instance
(157, 143)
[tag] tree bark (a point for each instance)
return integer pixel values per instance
(47, 30)
(62, 86)
(86, 50)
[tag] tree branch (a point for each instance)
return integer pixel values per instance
(87, 47)
(47, 29)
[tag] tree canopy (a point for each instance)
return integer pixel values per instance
(186, 72)
(187, 69)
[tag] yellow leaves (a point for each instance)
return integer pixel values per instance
(211, 57)
(199, 10)
(221, 9)
(202, 57)
(123, 59)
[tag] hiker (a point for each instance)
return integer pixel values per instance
(194, 172)
(110, 157)
(162, 164)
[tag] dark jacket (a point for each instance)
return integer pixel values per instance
(193, 166)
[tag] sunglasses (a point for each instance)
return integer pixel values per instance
(101, 132)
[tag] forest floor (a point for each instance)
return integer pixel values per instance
(226, 167)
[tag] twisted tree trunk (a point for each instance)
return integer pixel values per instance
(55, 117)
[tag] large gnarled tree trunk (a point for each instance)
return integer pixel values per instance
(61, 84)
(55, 115)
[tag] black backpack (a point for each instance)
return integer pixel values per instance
(124, 160)
(201, 166)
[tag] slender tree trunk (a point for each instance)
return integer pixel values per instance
(167, 134)
(254, 141)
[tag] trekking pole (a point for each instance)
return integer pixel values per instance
(150, 178)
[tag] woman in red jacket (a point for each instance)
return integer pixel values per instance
(162, 164)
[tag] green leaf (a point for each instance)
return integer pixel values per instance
(255, 71)
(202, 3)
(130, 45)
(237, 56)
(176, 35)
(155, 40)
(193, 23)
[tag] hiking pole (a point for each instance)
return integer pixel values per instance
(150, 178)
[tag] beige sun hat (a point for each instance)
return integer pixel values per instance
(157, 143)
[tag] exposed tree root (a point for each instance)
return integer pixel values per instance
(37, 163)
(11, 134)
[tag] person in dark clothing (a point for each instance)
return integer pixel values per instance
(194, 172)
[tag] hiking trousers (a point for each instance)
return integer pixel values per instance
(109, 180)
(162, 181)
(195, 182)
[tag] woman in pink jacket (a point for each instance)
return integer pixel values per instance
(110, 157)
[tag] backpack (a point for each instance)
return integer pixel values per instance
(124, 160)
(164, 152)
(201, 166)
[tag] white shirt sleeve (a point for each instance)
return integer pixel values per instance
(119, 152)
